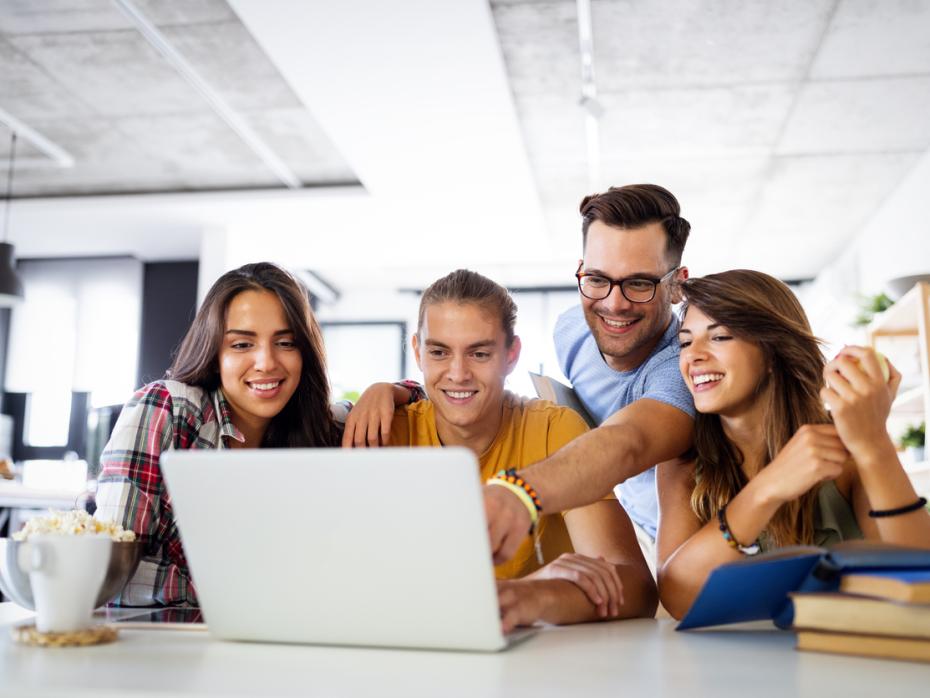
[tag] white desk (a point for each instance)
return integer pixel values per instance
(16, 495)
(642, 658)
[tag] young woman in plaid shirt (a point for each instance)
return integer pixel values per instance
(250, 373)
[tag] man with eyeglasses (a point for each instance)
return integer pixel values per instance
(619, 350)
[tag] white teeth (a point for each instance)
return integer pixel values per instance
(617, 323)
(460, 395)
(707, 378)
(265, 386)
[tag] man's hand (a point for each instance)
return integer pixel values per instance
(369, 421)
(508, 522)
(596, 577)
(520, 603)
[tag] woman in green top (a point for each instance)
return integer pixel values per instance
(788, 449)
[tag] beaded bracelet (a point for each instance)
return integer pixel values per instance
(417, 392)
(728, 536)
(523, 497)
(526, 494)
(523, 490)
(906, 509)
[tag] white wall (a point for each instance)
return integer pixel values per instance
(894, 242)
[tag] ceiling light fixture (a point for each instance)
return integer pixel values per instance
(11, 288)
(589, 102)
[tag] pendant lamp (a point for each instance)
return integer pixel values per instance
(11, 287)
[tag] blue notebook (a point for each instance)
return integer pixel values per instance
(757, 588)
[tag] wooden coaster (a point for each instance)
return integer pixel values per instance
(94, 635)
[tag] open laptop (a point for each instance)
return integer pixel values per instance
(378, 547)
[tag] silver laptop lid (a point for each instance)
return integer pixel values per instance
(380, 547)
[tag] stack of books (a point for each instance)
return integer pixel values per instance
(875, 613)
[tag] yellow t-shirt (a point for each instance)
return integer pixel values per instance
(530, 431)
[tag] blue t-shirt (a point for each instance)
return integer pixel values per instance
(603, 391)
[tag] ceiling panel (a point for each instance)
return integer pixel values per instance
(117, 73)
(198, 148)
(227, 57)
(165, 13)
(81, 75)
(24, 149)
(105, 155)
(869, 38)
(66, 16)
(674, 43)
(866, 115)
(540, 45)
(707, 98)
(824, 199)
(683, 123)
(553, 130)
(69, 16)
(301, 143)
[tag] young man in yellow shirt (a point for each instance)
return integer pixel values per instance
(592, 567)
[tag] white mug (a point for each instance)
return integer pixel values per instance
(66, 574)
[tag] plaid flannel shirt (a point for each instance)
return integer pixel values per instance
(161, 416)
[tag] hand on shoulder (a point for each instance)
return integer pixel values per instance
(369, 422)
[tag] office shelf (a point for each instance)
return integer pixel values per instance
(909, 317)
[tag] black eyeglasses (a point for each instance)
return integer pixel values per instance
(634, 289)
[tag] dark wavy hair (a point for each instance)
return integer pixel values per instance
(634, 206)
(306, 419)
(762, 310)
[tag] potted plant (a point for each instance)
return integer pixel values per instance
(913, 441)
(870, 306)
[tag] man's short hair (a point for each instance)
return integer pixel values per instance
(634, 206)
(465, 286)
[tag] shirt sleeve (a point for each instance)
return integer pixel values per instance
(340, 411)
(664, 383)
(568, 336)
(565, 426)
(131, 492)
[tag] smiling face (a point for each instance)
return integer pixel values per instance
(462, 350)
(259, 362)
(723, 372)
(627, 332)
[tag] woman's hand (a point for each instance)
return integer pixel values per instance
(369, 421)
(859, 398)
(596, 577)
(814, 454)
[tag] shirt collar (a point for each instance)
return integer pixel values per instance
(224, 417)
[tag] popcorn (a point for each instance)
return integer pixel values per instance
(73, 523)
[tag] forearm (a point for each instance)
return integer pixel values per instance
(586, 469)
(562, 602)
(158, 582)
(686, 570)
(627, 444)
(887, 486)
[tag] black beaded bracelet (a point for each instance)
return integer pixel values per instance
(728, 536)
(907, 509)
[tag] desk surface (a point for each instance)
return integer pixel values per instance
(623, 658)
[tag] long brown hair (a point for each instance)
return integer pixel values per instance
(762, 310)
(306, 419)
